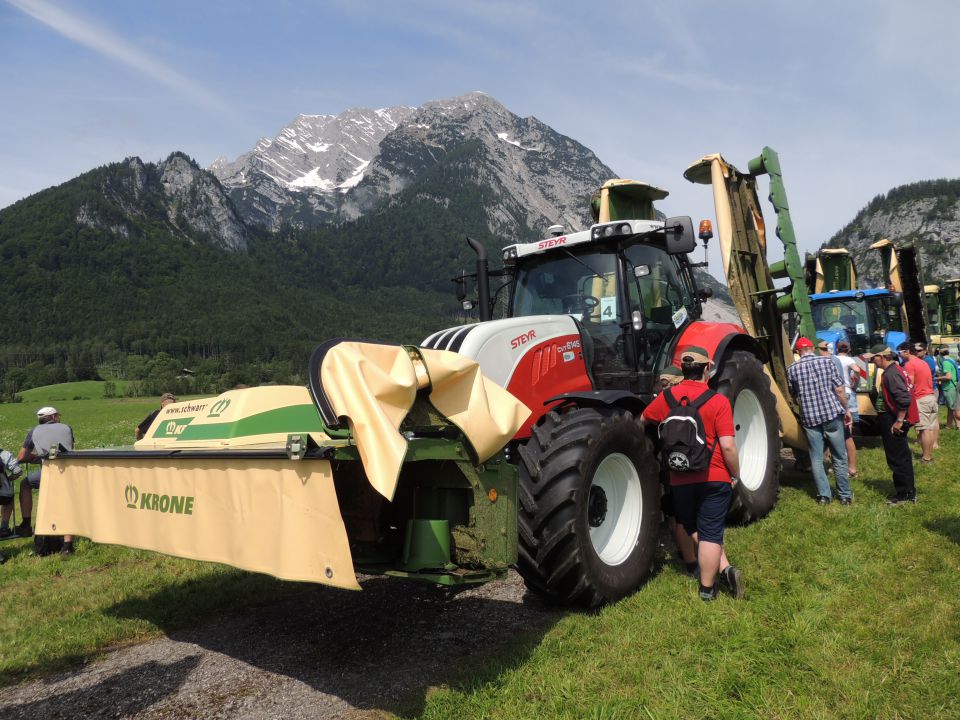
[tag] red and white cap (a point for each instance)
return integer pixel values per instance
(803, 343)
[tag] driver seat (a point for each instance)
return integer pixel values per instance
(662, 315)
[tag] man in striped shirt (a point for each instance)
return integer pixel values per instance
(817, 386)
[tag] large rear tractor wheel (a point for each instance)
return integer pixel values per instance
(757, 425)
(589, 507)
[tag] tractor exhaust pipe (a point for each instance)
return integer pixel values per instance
(483, 279)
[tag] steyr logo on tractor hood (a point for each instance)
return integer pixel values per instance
(522, 339)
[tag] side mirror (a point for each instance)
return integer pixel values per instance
(636, 320)
(897, 298)
(679, 235)
(461, 281)
(705, 293)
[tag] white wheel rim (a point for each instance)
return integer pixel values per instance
(615, 537)
(751, 436)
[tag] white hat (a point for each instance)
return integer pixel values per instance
(46, 411)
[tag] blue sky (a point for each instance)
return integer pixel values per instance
(857, 97)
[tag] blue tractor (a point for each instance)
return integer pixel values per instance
(861, 317)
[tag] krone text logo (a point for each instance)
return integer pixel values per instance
(175, 504)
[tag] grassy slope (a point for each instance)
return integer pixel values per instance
(850, 612)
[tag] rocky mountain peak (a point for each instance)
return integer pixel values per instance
(196, 203)
(176, 192)
(323, 169)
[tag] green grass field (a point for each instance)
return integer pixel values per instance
(850, 612)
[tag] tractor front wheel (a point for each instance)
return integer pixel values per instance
(589, 507)
(757, 426)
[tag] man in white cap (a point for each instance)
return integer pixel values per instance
(49, 433)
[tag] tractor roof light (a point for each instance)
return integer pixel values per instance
(706, 230)
(510, 254)
(609, 230)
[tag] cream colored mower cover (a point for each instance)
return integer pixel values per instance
(374, 387)
(280, 518)
(250, 418)
(273, 515)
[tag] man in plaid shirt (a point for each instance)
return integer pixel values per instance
(817, 386)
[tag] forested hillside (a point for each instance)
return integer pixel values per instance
(926, 214)
(87, 298)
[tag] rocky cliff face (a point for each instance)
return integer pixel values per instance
(926, 214)
(186, 199)
(323, 169)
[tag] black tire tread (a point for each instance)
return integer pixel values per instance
(551, 556)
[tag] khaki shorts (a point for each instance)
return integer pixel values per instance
(929, 413)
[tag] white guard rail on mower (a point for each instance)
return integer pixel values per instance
(212, 480)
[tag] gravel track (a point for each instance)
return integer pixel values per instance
(324, 654)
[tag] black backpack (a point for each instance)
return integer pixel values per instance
(683, 439)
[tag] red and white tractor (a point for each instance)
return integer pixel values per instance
(591, 320)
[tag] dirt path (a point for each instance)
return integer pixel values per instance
(323, 654)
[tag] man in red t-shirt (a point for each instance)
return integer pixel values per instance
(920, 380)
(702, 498)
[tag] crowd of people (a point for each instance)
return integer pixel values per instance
(49, 432)
(912, 386)
(824, 385)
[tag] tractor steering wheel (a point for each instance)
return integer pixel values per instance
(583, 304)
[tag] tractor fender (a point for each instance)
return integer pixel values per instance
(737, 341)
(620, 399)
(720, 340)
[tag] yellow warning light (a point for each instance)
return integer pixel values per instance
(492, 495)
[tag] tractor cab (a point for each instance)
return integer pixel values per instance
(627, 286)
(861, 317)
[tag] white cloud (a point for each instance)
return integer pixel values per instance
(111, 45)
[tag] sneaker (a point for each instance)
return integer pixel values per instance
(733, 579)
(7, 533)
(823, 500)
(66, 550)
(708, 594)
(846, 501)
(899, 499)
(24, 530)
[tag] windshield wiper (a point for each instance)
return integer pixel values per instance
(574, 257)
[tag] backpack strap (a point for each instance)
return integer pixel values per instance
(705, 397)
(671, 400)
